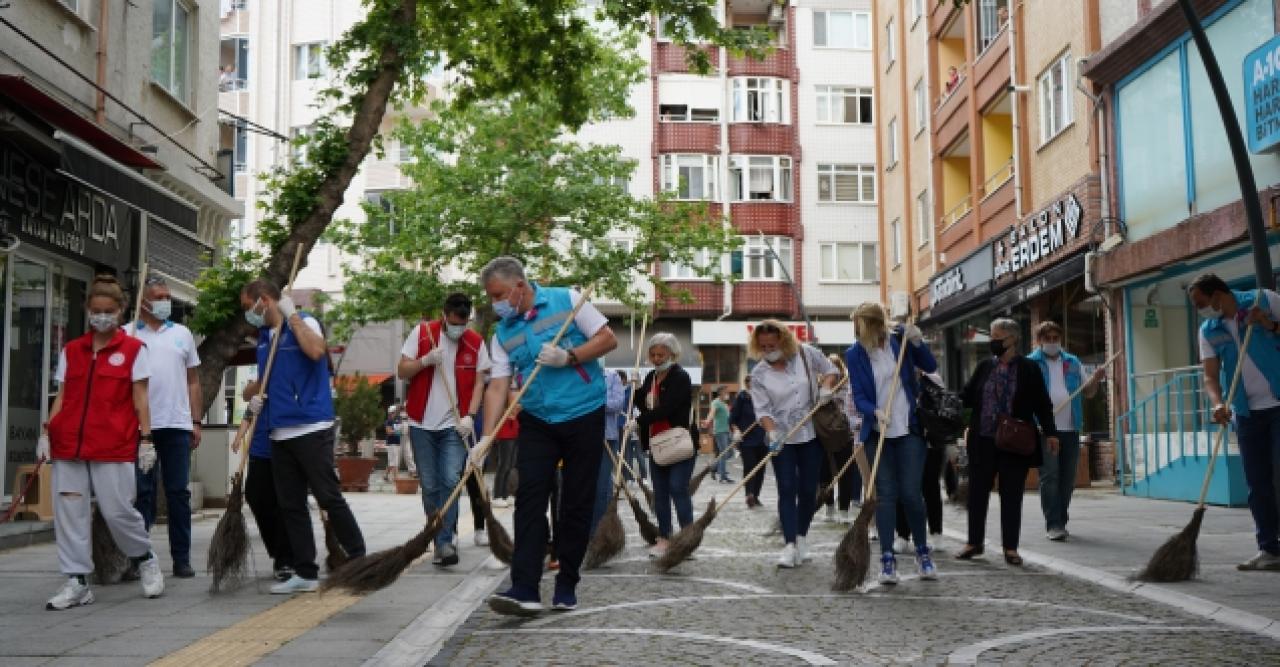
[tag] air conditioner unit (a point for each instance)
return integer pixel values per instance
(775, 14)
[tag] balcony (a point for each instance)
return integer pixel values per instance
(942, 16)
(781, 62)
(754, 138)
(957, 239)
(688, 137)
(708, 299)
(670, 57)
(950, 117)
(997, 205)
(769, 218)
(764, 299)
(991, 71)
(956, 214)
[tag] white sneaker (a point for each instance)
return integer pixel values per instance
(1261, 561)
(831, 514)
(296, 584)
(802, 550)
(1057, 534)
(901, 546)
(72, 594)
(844, 517)
(152, 579)
(788, 556)
(482, 538)
(501, 503)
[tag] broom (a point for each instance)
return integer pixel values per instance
(610, 538)
(500, 544)
(853, 555)
(1177, 559)
(376, 571)
(685, 542)
(696, 482)
(229, 546)
(648, 530)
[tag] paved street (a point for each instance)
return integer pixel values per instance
(729, 606)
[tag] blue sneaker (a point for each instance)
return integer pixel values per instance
(564, 600)
(516, 601)
(924, 564)
(888, 569)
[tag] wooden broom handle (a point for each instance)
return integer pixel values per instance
(869, 487)
(1222, 431)
(1058, 408)
(142, 287)
(631, 403)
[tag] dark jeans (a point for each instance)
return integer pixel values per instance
(306, 463)
(934, 460)
(1259, 436)
(540, 447)
(984, 464)
(1058, 479)
(260, 493)
(638, 461)
(671, 487)
(850, 484)
(751, 457)
(173, 467)
(506, 460)
(795, 469)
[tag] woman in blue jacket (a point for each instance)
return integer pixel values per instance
(871, 361)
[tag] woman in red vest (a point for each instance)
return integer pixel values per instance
(95, 425)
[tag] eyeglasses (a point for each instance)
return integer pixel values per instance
(154, 280)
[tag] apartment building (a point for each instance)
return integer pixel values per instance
(109, 160)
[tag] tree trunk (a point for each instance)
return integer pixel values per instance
(218, 348)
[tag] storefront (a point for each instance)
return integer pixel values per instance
(956, 322)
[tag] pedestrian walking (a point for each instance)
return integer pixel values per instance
(614, 406)
(750, 441)
(849, 486)
(506, 453)
(300, 425)
(635, 455)
(664, 402)
(871, 361)
(561, 419)
(1256, 410)
(783, 392)
(1063, 375)
(435, 351)
(99, 429)
(1004, 385)
(173, 396)
(718, 423)
(260, 493)
(391, 431)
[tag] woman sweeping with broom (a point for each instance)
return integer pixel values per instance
(666, 397)
(790, 380)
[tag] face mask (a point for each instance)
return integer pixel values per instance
(997, 347)
(504, 309)
(1209, 312)
(773, 357)
(162, 309)
(1052, 349)
(455, 331)
(253, 317)
(664, 366)
(103, 322)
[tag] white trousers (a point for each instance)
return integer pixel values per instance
(393, 458)
(114, 486)
(407, 451)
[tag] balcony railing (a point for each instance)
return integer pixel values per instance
(1002, 176)
(958, 211)
(949, 88)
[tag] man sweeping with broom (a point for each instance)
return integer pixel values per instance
(562, 418)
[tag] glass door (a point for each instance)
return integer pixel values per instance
(26, 337)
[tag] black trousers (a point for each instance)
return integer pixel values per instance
(306, 463)
(260, 493)
(751, 457)
(985, 462)
(540, 447)
(934, 459)
(845, 486)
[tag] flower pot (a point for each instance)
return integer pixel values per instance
(354, 472)
(406, 485)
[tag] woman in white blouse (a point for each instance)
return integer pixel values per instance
(789, 381)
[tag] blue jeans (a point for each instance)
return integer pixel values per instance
(1259, 436)
(1058, 479)
(637, 459)
(604, 486)
(671, 487)
(173, 463)
(722, 443)
(898, 480)
(795, 469)
(440, 456)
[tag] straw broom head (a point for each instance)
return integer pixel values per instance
(648, 531)
(378, 570)
(685, 542)
(109, 562)
(697, 479)
(609, 539)
(230, 542)
(852, 560)
(335, 555)
(500, 544)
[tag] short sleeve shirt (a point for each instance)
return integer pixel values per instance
(172, 350)
(1252, 381)
(438, 415)
(589, 321)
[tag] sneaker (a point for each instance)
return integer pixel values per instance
(726, 479)
(72, 594)
(448, 555)
(437, 559)
(1057, 534)
(888, 569)
(844, 517)
(282, 573)
(482, 538)
(152, 579)
(516, 602)
(295, 584)
(788, 556)
(564, 600)
(500, 503)
(901, 546)
(802, 550)
(831, 514)
(924, 564)
(183, 571)
(1261, 561)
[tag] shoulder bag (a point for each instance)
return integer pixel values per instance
(1016, 436)
(667, 444)
(830, 422)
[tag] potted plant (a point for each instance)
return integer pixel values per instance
(358, 406)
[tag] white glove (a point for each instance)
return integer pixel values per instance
(466, 427)
(881, 419)
(736, 440)
(255, 404)
(432, 358)
(475, 458)
(555, 357)
(912, 334)
(287, 309)
(146, 457)
(825, 394)
(42, 448)
(775, 441)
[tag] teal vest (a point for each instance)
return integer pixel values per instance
(1264, 350)
(1071, 371)
(559, 394)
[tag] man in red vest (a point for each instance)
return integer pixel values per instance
(436, 352)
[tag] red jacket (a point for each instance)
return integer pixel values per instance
(97, 421)
(509, 429)
(464, 370)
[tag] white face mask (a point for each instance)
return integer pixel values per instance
(773, 356)
(161, 310)
(103, 322)
(1052, 349)
(455, 331)
(664, 366)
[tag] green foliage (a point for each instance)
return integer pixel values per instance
(358, 404)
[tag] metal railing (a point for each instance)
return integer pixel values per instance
(1003, 174)
(1169, 424)
(958, 211)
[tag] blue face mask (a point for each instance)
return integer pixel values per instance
(504, 309)
(254, 318)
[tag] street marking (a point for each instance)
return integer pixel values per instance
(807, 656)
(968, 655)
(750, 588)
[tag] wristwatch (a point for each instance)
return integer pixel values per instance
(146, 437)
(573, 359)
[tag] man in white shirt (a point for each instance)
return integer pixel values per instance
(174, 395)
(439, 358)
(1256, 404)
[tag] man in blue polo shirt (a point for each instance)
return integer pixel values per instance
(561, 419)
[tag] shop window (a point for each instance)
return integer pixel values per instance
(171, 47)
(690, 177)
(846, 105)
(760, 177)
(847, 183)
(848, 262)
(841, 30)
(308, 61)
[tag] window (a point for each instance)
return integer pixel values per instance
(681, 113)
(848, 262)
(895, 236)
(891, 143)
(621, 182)
(404, 152)
(922, 106)
(308, 61)
(702, 260)
(239, 5)
(890, 52)
(847, 183)
(759, 261)
(924, 223)
(917, 10)
(691, 177)
(842, 30)
(760, 100)
(171, 47)
(234, 74)
(992, 17)
(297, 136)
(845, 105)
(240, 157)
(73, 5)
(760, 177)
(1055, 98)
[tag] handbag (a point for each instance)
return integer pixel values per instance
(830, 421)
(1016, 436)
(941, 413)
(671, 445)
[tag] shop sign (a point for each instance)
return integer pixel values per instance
(737, 332)
(1040, 237)
(962, 282)
(1262, 96)
(43, 206)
